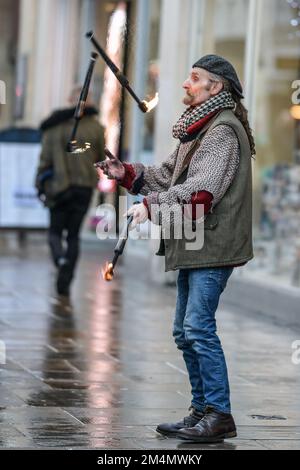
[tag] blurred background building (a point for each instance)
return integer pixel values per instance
(44, 52)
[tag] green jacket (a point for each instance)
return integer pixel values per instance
(68, 169)
(228, 228)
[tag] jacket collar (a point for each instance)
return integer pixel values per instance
(195, 129)
(62, 115)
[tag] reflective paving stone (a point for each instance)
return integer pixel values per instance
(101, 370)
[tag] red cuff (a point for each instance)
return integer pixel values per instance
(145, 202)
(129, 176)
(201, 197)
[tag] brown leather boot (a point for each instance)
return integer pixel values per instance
(215, 426)
(171, 429)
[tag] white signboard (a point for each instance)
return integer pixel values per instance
(19, 205)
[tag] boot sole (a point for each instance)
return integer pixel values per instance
(208, 440)
(167, 433)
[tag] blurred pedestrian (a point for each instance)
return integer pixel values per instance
(65, 182)
(211, 166)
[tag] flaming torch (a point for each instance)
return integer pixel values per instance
(144, 105)
(108, 270)
(72, 146)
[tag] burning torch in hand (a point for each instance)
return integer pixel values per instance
(108, 271)
(137, 213)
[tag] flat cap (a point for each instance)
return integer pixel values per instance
(220, 66)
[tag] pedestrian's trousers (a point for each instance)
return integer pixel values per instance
(66, 217)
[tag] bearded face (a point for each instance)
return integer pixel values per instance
(199, 87)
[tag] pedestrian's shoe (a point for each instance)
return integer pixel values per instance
(63, 281)
(215, 426)
(171, 429)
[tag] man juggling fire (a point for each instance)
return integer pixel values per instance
(211, 166)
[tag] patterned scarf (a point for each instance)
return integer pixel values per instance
(193, 114)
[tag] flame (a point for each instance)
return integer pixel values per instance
(107, 272)
(152, 103)
(77, 149)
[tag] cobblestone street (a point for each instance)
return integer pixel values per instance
(103, 371)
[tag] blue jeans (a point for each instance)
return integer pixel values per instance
(195, 333)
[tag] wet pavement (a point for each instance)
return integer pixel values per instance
(103, 371)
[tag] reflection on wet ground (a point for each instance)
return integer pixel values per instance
(102, 371)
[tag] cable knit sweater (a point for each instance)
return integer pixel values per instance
(210, 172)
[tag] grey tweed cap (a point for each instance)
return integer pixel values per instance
(220, 66)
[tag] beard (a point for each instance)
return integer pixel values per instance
(188, 99)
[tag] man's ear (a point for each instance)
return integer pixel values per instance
(216, 88)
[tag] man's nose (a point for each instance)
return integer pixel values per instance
(186, 83)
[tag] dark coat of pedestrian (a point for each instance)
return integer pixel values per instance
(65, 182)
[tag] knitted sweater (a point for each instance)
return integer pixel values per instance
(211, 170)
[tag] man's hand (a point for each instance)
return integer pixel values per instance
(139, 213)
(111, 166)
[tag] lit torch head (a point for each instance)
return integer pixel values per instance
(151, 104)
(73, 147)
(108, 272)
